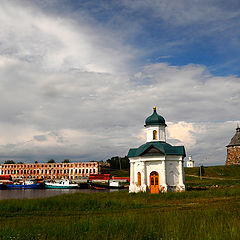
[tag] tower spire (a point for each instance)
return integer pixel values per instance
(238, 128)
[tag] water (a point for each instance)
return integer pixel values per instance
(42, 193)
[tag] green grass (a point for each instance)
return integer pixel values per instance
(211, 214)
(231, 171)
(120, 173)
(221, 176)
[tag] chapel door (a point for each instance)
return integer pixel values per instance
(154, 182)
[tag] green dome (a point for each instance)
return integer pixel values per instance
(155, 119)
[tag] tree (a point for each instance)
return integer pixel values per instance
(66, 161)
(36, 161)
(119, 162)
(51, 161)
(20, 162)
(9, 162)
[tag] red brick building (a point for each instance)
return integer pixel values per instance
(50, 170)
(233, 149)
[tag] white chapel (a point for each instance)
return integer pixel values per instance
(156, 166)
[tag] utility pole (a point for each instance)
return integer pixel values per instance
(200, 171)
(120, 165)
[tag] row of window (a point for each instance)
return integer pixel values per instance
(48, 177)
(47, 165)
(71, 171)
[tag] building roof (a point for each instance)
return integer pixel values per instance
(235, 141)
(163, 147)
(155, 119)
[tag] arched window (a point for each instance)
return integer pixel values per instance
(139, 179)
(154, 135)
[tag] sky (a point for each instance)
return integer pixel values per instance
(78, 78)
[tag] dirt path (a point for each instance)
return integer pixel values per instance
(218, 178)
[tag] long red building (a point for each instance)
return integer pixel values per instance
(50, 170)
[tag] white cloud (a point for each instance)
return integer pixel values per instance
(62, 94)
(52, 42)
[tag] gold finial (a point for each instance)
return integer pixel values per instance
(154, 108)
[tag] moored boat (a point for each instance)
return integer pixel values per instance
(2, 186)
(62, 184)
(111, 185)
(28, 184)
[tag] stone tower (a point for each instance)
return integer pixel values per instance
(233, 149)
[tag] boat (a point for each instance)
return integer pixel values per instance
(62, 184)
(110, 185)
(27, 184)
(2, 186)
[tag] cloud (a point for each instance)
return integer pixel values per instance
(185, 12)
(59, 43)
(69, 91)
(93, 116)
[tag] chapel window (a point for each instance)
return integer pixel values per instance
(139, 179)
(152, 181)
(154, 135)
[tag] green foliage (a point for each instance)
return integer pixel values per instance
(20, 162)
(66, 161)
(9, 162)
(51, 161)
(119, 162)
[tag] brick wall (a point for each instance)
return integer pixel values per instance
(233, 155)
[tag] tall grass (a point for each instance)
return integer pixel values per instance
(204, 223)
(212, 214)
(106, 201)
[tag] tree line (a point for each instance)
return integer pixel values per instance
(115, 162)
(49, 161)
(119, 162)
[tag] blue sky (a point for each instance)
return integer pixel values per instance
(176, 32)
(78, 78)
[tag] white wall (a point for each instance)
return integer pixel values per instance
(170, 170)
(190, 163)
(161, 135)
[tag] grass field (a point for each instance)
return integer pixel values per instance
(230, 172)
(210, 214)
(221, 176)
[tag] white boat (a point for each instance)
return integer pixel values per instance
(64, 183)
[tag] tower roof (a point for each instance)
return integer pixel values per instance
(155, 119)
(235, 141)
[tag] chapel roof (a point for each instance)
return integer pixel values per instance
(235, 141)
(155, 119)
(163, 147)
